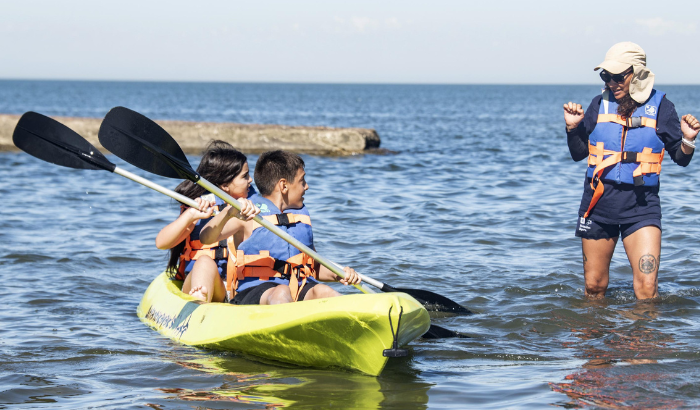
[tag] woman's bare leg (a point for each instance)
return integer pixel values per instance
(643, 249)
(597, 254)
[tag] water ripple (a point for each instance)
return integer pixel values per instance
(478, 203)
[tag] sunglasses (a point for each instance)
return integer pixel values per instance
(618, 78)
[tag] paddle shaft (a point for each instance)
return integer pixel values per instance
(143, 181)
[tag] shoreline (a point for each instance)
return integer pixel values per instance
(247, 138)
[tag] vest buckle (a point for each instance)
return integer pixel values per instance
(220, 253)
(633, 122)
(629, 157)
(284, 268)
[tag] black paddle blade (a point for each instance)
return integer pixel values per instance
(432, 301)
(141, 142)
(437, 332)
(51, 141)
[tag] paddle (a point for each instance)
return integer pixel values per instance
(143, 143)
(431, 300)
(51, 141)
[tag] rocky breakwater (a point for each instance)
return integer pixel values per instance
(249, 138)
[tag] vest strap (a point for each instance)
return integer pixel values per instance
(631, 122)
(646, 158)
(286, 219)
(264, 267)
(195, 249)
(649, 163)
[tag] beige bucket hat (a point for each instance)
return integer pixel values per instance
(623, 55)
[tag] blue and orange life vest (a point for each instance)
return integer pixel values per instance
(265, 256)
(625, 150)
(194, 249)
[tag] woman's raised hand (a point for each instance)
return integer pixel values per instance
(690, 127)
(573, 114)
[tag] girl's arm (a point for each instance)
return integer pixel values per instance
(228, 222)
(180, 228)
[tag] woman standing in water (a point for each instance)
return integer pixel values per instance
(624, 134)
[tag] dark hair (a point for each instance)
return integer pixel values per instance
(273, 166)
(220, 164)
(626, 106)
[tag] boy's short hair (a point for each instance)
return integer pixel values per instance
(273, 166)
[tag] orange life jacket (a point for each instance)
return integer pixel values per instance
(195, 249)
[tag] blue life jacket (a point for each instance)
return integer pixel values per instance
(281, 253)
(624, 150)
(628, 137)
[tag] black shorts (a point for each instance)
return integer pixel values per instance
(589, 229)
(252, 295)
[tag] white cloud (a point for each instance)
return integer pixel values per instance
(659, 26)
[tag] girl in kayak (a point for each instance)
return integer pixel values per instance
(268, 269)
(624, 134)
(202, 267)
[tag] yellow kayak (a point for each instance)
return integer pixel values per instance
(348, 332)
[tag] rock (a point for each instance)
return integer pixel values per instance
(248, 138)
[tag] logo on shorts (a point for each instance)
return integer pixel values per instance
(584, 225)
(650, 110)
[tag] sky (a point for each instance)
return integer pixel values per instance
(443, 42)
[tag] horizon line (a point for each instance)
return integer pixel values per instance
(303, 82)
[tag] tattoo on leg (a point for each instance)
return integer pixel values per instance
(648, 264)
(585, 259)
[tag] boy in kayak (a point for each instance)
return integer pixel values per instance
(268, 270)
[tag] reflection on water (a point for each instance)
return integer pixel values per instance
(620, 350)
(255, 384)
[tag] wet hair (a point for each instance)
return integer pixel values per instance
(220, 164)
(273, 166)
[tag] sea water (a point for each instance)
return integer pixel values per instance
(477, 201)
